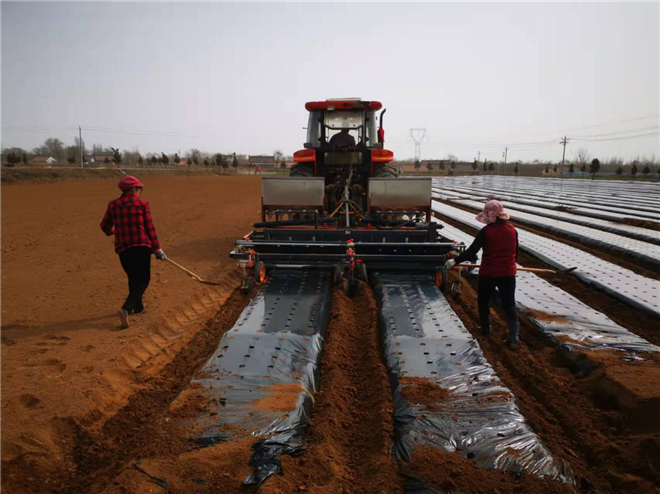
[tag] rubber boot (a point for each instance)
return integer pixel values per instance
(514, 328)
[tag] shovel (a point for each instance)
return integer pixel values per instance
(191, 274)
(531, 270)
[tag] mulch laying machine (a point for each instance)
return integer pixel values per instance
(344, 207)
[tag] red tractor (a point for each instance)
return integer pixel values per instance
(345, 146)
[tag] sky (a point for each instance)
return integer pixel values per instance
(234, 77)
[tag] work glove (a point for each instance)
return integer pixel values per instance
(160, 255)
(450, 264)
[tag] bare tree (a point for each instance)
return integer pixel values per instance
(116, 156)
(582, 158)
(194, 155)
(278, 155)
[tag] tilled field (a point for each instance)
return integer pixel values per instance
(89, 408)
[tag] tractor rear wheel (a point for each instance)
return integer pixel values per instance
(386, 171)
(299, 170)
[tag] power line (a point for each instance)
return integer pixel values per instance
(621, 132)
(625, 138)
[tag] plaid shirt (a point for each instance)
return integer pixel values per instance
(130, 220)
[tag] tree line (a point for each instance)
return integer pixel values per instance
(100, 154)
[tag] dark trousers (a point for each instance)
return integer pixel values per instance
(137, 264)
(506, 286)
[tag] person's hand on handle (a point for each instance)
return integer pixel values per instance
(160, 255)
(450, 264)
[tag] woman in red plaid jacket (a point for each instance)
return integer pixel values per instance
(128, 218)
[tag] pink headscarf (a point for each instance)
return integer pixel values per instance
(492, 210)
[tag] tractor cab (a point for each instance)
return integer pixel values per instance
(344, 145)
(329, 118)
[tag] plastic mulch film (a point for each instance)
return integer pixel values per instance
(629, 210)
(636, 249)
(631, 231)
(563, 318)
(636, 232)
(477, 416)
(626, 196)
(633, 289)
(547, 204)
(261, 378)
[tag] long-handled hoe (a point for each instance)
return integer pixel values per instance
(455, 287)
(191, 274)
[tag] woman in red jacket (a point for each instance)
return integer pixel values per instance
(128, 218)
(499, 240)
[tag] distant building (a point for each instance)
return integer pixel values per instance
(43, 160)
(100, 158)
(262, 161)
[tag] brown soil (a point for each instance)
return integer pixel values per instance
(563, 209)
(347, 447)
(651, 225)
(544, 316)
(421, 391)
(217, 469)
(454, 473)
(279, 398)
(78, 393)
(634, 320)
(12, 176)
(574, 418)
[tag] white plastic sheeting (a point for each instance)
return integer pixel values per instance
(636, 232)
(451, 194)
(627, 195)
(480, 189)
(633, 289)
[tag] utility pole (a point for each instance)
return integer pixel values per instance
(504, 154)
(564, 141)
(418, 136)
(478, 156)
(82, 148)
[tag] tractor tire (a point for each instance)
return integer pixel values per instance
(386, 171)
(298, 170)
